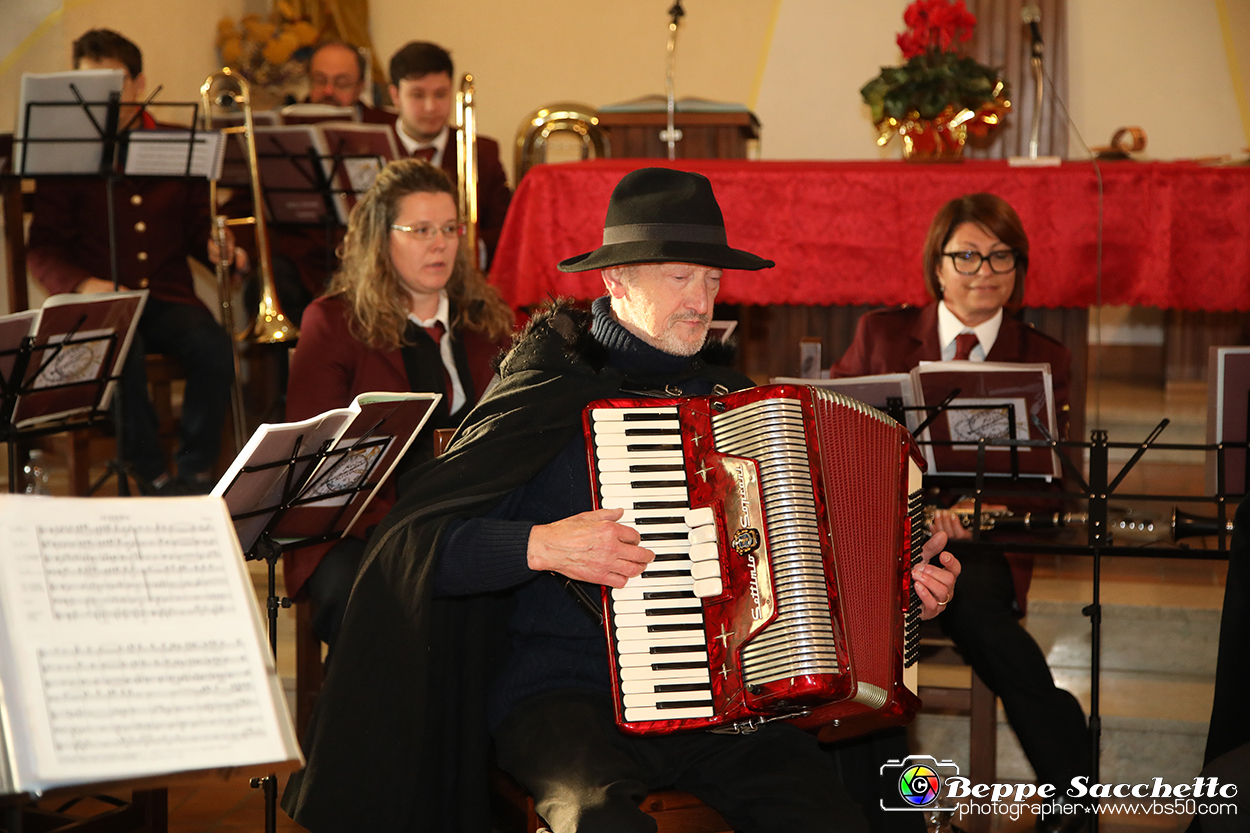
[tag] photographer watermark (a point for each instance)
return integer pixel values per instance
(926, 784)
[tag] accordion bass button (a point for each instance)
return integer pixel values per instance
(703, 516)
(706, 588)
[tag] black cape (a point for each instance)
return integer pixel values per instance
(398, 740)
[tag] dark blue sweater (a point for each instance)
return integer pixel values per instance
(555, 642)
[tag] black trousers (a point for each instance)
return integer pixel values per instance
(587, 776)
(1048, 720)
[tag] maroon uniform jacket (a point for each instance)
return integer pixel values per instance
(896, 340)
(329, 368)
(159, 221)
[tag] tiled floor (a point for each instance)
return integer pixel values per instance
(1128, 414)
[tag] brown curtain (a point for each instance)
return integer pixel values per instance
(1002, 40)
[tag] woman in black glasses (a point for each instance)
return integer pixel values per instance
(975, 260)
(404, 312)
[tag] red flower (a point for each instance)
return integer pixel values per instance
(935, 25)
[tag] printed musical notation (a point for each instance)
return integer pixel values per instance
(117, 702)
(132, 571)
(137, 647)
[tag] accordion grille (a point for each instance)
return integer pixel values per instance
(800, 640)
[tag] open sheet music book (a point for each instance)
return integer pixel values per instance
(876, 391)
(363, 443)
(131, 646)
(80, 340)
(980, 410)
(175, 152)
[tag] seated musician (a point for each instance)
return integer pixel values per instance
(421, 86)
(160, 222)
(304, 260)
(975, 260)
(405, 312)
(462, 626)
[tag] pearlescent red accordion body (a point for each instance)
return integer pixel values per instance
(785, 522)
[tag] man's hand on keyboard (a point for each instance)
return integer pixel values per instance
(590, 546)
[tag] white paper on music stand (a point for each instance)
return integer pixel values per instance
(871, 390)
(164, 153)
(132, 645)
(63, 120)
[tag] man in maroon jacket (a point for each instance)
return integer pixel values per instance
(159, 223)
(421, 87)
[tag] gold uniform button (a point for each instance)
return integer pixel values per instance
(136, 200)
(142, 256)
(141, 227)
(143, 284)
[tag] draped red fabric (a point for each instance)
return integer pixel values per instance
(1176, 234)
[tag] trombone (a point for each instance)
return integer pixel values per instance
(466, 163)
(226, 89)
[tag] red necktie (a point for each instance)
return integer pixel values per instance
(425, 153)
(964, 342)
(435, 332)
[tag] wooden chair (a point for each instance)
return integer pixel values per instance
(674, 811)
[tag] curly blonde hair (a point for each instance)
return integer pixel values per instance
(372, 288)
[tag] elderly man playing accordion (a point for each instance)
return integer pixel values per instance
(462, 627)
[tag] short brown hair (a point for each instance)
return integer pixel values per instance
(100, 44)
(367, 279)
(992, 213)
(419, 59)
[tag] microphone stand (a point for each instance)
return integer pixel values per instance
(672, 135)
(1031, 15)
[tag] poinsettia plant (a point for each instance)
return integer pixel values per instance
(937, 76)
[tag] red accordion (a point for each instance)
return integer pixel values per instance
(785, 522)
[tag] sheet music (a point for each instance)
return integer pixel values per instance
(164, 153)
(132, 642)
(55, 114)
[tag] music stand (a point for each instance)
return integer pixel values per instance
(298, 484)
(62, 375)
(64, 132)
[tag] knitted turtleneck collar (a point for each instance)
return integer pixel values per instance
(629, 353)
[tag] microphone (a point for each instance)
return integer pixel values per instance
(1032, 15)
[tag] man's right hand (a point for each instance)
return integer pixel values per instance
(589, 546)
(94, 285)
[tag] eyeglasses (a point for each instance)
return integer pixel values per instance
(425, 232)
(338, 82)
(969, 263)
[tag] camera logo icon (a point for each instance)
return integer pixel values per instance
(917, 780)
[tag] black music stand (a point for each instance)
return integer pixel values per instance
(300, 484)
(110, 137)
(1097, 491)
(61, 376)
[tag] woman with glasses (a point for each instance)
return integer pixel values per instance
(975, 260)
(404, 312)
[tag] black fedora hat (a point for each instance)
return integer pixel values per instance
(659, 215)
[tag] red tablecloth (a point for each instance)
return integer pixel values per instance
(1175, 234)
